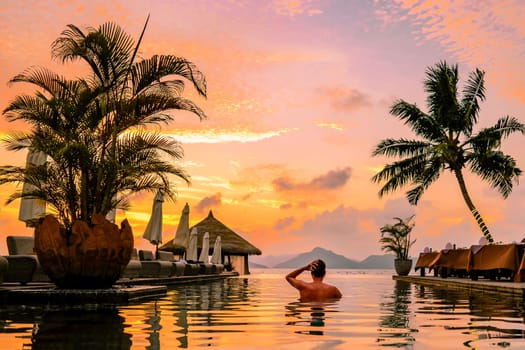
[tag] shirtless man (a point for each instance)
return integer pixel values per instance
(315, 290)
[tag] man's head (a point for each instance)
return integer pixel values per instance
(318, 268)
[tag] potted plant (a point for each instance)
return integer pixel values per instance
(395, 238)
(99, 151)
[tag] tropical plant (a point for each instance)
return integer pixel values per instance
(447, 141)
(94, 130)
(395, 238)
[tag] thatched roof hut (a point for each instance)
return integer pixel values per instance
(232, 243)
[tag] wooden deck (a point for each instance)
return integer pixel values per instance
(503, 287)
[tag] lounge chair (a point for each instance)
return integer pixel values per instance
(217, 268)
(152, 267)
(206, 268)
(134, 268)
(23, 262)
(4, 265)
(177, 268)
(192, 268)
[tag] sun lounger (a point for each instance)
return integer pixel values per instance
(134, 268)
(191, 268)
(4, 265)
(152, 267)
(177, 268)
(427, 261)
(495, 261)
(21, 252)
(20, 269)
(206, 268)
(218, 268)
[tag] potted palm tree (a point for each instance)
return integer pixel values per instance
(395, 238)
(94, 131)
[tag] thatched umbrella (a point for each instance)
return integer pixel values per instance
(232, 243)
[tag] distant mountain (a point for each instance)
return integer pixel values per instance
(257, 266)
(378, 262)
(333, 260)
(270, 260)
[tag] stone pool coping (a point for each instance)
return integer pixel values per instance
(125, 291)
(505, 287)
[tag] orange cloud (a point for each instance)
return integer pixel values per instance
(297, 7)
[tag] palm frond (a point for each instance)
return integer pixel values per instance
(426, 178)
(158, 67)
(498, 169)
(400, 173)
(490, 138)
(441, 88)
(422, 124)
(42, 77)
(473, 90)
(401, 148)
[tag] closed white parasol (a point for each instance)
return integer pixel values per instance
(216, 257)
(191, 252)
(205, 248)
(153, 232)
(32, 209)
(182, 235)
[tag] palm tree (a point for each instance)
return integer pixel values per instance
(447, 141)
(94, 129)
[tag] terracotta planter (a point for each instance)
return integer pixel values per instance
(403, 266)
(91, 257)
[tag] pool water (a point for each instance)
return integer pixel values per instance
(261, 311)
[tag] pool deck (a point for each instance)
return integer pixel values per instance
(502, 287)
(125, 291)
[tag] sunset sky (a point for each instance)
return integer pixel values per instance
(298, 95)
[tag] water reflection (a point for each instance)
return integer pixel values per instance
(395, 319)
(482, 318)
(209, 308)
(261, 312)
(80, 329)
(309, 317)
(153, 320)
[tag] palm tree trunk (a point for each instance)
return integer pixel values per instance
(472, 208)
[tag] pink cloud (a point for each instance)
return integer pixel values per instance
(482, 34)
(283, 223)
(209, 202)
(332, 180)
(346, 99)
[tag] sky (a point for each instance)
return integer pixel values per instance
(298, 96)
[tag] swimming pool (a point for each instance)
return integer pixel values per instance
(261, 311)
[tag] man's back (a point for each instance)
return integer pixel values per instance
(316, 291)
